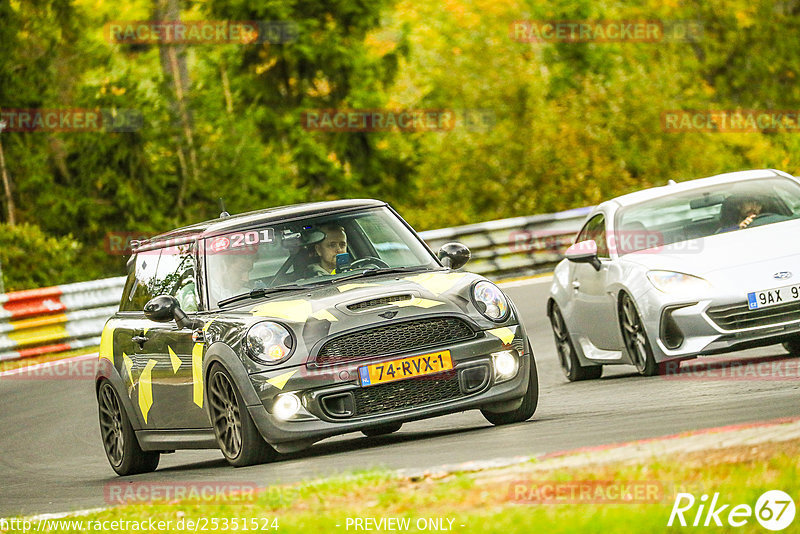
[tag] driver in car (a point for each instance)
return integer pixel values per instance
(335, 242)
(232, 273)
(739, 212)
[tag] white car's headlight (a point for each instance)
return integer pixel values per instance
(490, 301)
(268, 342)
(672, 282)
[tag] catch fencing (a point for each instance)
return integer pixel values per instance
(71, 316)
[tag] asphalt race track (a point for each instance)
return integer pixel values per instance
(52, 459)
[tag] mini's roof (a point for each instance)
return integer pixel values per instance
(215, 226)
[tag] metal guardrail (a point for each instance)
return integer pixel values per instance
(518, 246)
(66, 317)
(55, 319)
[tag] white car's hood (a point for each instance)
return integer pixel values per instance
(739, 260)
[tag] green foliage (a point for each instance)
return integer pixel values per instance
(30, 258)
(564, 124)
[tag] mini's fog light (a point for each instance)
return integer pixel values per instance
(506, 364)
(286, 406)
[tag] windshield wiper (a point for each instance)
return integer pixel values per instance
(384, 270)
(263, 292)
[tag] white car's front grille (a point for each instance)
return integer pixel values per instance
(739, 316)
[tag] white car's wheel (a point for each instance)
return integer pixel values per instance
(567, 357)
(635, 338)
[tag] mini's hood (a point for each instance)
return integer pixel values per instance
(742, 259)
(359, 303)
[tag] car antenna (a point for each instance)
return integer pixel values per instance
(223, 212)
(672, 182)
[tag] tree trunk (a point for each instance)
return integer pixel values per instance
(173, 64)
(10, 208)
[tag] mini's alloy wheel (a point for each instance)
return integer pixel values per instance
(237, 436)
(119, 441)
(635, 338)
(567, 357)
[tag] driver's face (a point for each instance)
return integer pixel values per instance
(335, 242)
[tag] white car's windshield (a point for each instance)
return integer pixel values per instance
(705, 212)
(306, 252)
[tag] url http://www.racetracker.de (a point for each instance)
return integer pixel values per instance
(185, 524)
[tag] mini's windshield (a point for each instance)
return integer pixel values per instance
(302, 253)
(706, 211)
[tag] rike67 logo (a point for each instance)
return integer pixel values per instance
(774, 510)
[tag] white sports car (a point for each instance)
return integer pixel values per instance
(671, 273)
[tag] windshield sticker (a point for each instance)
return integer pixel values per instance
(242, 240)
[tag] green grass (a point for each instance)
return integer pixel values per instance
(484, 504)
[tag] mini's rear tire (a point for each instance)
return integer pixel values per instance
(119, 440)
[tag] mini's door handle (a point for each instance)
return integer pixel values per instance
(139, 340)
(576, 285)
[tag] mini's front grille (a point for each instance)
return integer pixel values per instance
(738, 316)
(407, 393)
(394, 338)
(377, 303)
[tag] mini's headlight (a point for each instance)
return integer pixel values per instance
(677, 283)
(268, 342)
(490, 301)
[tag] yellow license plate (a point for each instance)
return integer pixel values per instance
(426, 364)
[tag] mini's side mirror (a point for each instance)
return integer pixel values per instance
(165, 308)
(454, 255)
(161, 309)
(584, 252)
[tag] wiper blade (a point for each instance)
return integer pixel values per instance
(384, 270)
(263, 292)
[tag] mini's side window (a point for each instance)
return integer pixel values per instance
(595, 229)
(141, 281)
(176, 276)
(169, 271)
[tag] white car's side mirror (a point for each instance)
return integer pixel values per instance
(584, 252)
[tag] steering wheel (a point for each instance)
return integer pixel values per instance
(369, 260)
(759, 216)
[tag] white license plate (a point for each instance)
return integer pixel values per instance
(771, 297)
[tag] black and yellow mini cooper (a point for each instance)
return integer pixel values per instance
(265, 332)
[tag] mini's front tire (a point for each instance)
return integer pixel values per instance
(529, 402)
(237, 436)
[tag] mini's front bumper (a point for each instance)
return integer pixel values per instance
(313, 386)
